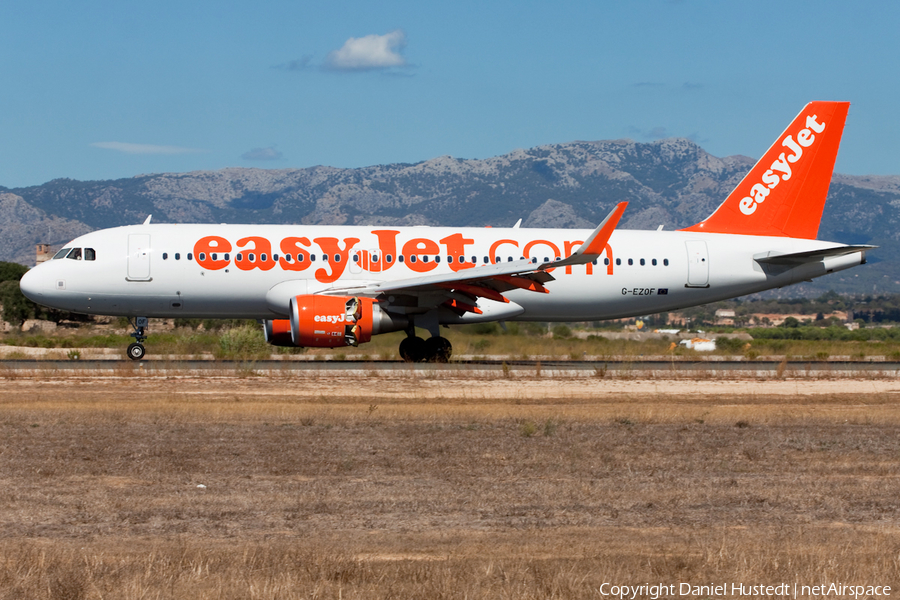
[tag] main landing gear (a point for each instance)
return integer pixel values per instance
(136, 350)
(435, 349)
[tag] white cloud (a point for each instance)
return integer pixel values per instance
(654, 133)
(269, 153)
(369, 52)
(144, 148)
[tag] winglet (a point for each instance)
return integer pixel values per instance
(596, 242)
(784, 193)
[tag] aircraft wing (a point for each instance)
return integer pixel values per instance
(461, 290)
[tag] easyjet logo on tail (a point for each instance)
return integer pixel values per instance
(800, 164)
(780, 170)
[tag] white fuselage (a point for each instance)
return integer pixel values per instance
(135, 271)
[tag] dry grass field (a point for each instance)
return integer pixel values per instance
(441, 485)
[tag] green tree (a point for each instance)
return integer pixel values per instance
(11, 271)
(16, 307)
(562, 331)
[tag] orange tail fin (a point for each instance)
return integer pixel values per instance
(784, 193)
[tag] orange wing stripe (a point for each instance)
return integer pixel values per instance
(462, 307)
(475, 290)
(522, 283)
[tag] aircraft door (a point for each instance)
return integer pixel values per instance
(138, 257)
(698, 264)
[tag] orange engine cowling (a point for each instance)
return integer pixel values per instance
(278, 332)
(331, 321)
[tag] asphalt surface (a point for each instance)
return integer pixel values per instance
(889, 368)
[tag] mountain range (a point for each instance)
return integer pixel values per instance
(671, 182)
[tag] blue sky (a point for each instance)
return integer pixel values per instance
(102, 90)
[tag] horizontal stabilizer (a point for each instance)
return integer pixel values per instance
(797, 258)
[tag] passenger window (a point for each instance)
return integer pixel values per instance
(202, 256)
(238, 257)
(606, 261)
(262, 257)
(89, 254)
(177, 256)
(666, 262)
(389, 258)
(312, 258)
(374, 258)
(425, 259)
(487, 260)
(190, 256)
(509, 259)
(400, 258)
(412, 258)
(337, 258)
(275, 257)
(165, 255)
(214, 256)
(324, 258)
(653, 262)
(643, 262)
(497, 259)
(474, 260)
(449, 260)
(618, 262)
(75, 254)
(62, 253)
(227, 256)
(251, 257)
(630, 262)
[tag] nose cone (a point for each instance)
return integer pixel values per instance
(32, 286)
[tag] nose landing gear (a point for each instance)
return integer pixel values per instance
(136, 350)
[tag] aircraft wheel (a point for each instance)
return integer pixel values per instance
(135, 351)
(412, 349)
(438, 349)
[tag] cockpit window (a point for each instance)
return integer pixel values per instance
(89, 254)
(75, 254)
(62, 253)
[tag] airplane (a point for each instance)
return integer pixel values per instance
(334, 286)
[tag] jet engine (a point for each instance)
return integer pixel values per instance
(278, 332)
(331, 321)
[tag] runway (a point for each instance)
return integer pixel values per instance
(159, 364)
